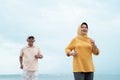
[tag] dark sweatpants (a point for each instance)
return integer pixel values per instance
(83, 75)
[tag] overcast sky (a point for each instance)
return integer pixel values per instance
(54, 23)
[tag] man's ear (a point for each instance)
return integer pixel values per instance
(34, 40)
(27, 40)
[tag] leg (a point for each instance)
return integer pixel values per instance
(34, 75)
(89, 75)
(26, 75)
(30, 75)
(78, 75)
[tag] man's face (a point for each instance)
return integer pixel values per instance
(30, 41)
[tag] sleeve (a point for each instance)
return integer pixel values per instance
(21, 53)
(39, 51)
(70, 47)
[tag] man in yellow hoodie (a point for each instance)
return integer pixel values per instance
(81, 48)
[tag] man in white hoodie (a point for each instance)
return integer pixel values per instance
(29, 59)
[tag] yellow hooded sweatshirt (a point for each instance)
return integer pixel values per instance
(82, 62)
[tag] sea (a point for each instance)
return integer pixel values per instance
(58, 77)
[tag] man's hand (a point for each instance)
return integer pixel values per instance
(21, 66)
(38, 56)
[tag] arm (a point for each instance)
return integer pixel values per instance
(39, 55)
(95, 50)
(69, 49)
(21, 60)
